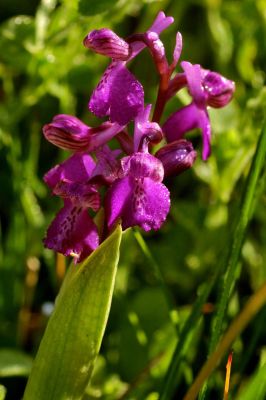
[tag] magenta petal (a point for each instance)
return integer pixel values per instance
(107, 167)
(143, 165)
(219, 89)
(140, 202)
(119, 94)
(126, 97)
(178, 48)
(77, 168)
(160, 23)
(72, 232)
(205, 125)
(181, 122)
(150, 209)
(146, 132)
(99, 103)
(117, 198)
(81, 194)
(193, 74)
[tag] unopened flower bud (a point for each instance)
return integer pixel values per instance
(176, 157)
(106, 42)
(67, 132)
(219, 90)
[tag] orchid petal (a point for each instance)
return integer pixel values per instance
(99, 103)
(77, 168)
(193, 74)
(142, 202)
(81, 194)
(143, 165)
(180, 122)
(160, 23)
(107, 167)
(72, 232)
(205, 125)
(177, 50)
(119, 94)
(126, 97)
(144, 129)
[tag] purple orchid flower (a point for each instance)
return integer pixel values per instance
(139, 197)
(206, 88)
(119, 94)
(73, 231)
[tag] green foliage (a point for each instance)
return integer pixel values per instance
(45, 70)
(72, 340)
(14, 363)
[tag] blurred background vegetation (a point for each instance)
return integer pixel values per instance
(45, 70)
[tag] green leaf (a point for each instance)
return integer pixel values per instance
(14, 363)
(256, 388)
(72, 339)
(2, 392)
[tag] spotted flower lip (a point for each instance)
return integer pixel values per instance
(72, 232)
(104, 41)
(139, 197)
(176, 157)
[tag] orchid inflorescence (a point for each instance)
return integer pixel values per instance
(132, 175)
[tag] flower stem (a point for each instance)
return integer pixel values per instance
(161, 97)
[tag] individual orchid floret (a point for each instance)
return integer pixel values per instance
(106, 42)
(205, 89)
(176, 157)
(73, 232)
(146, 132)
(69, 133)
(139, 197)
